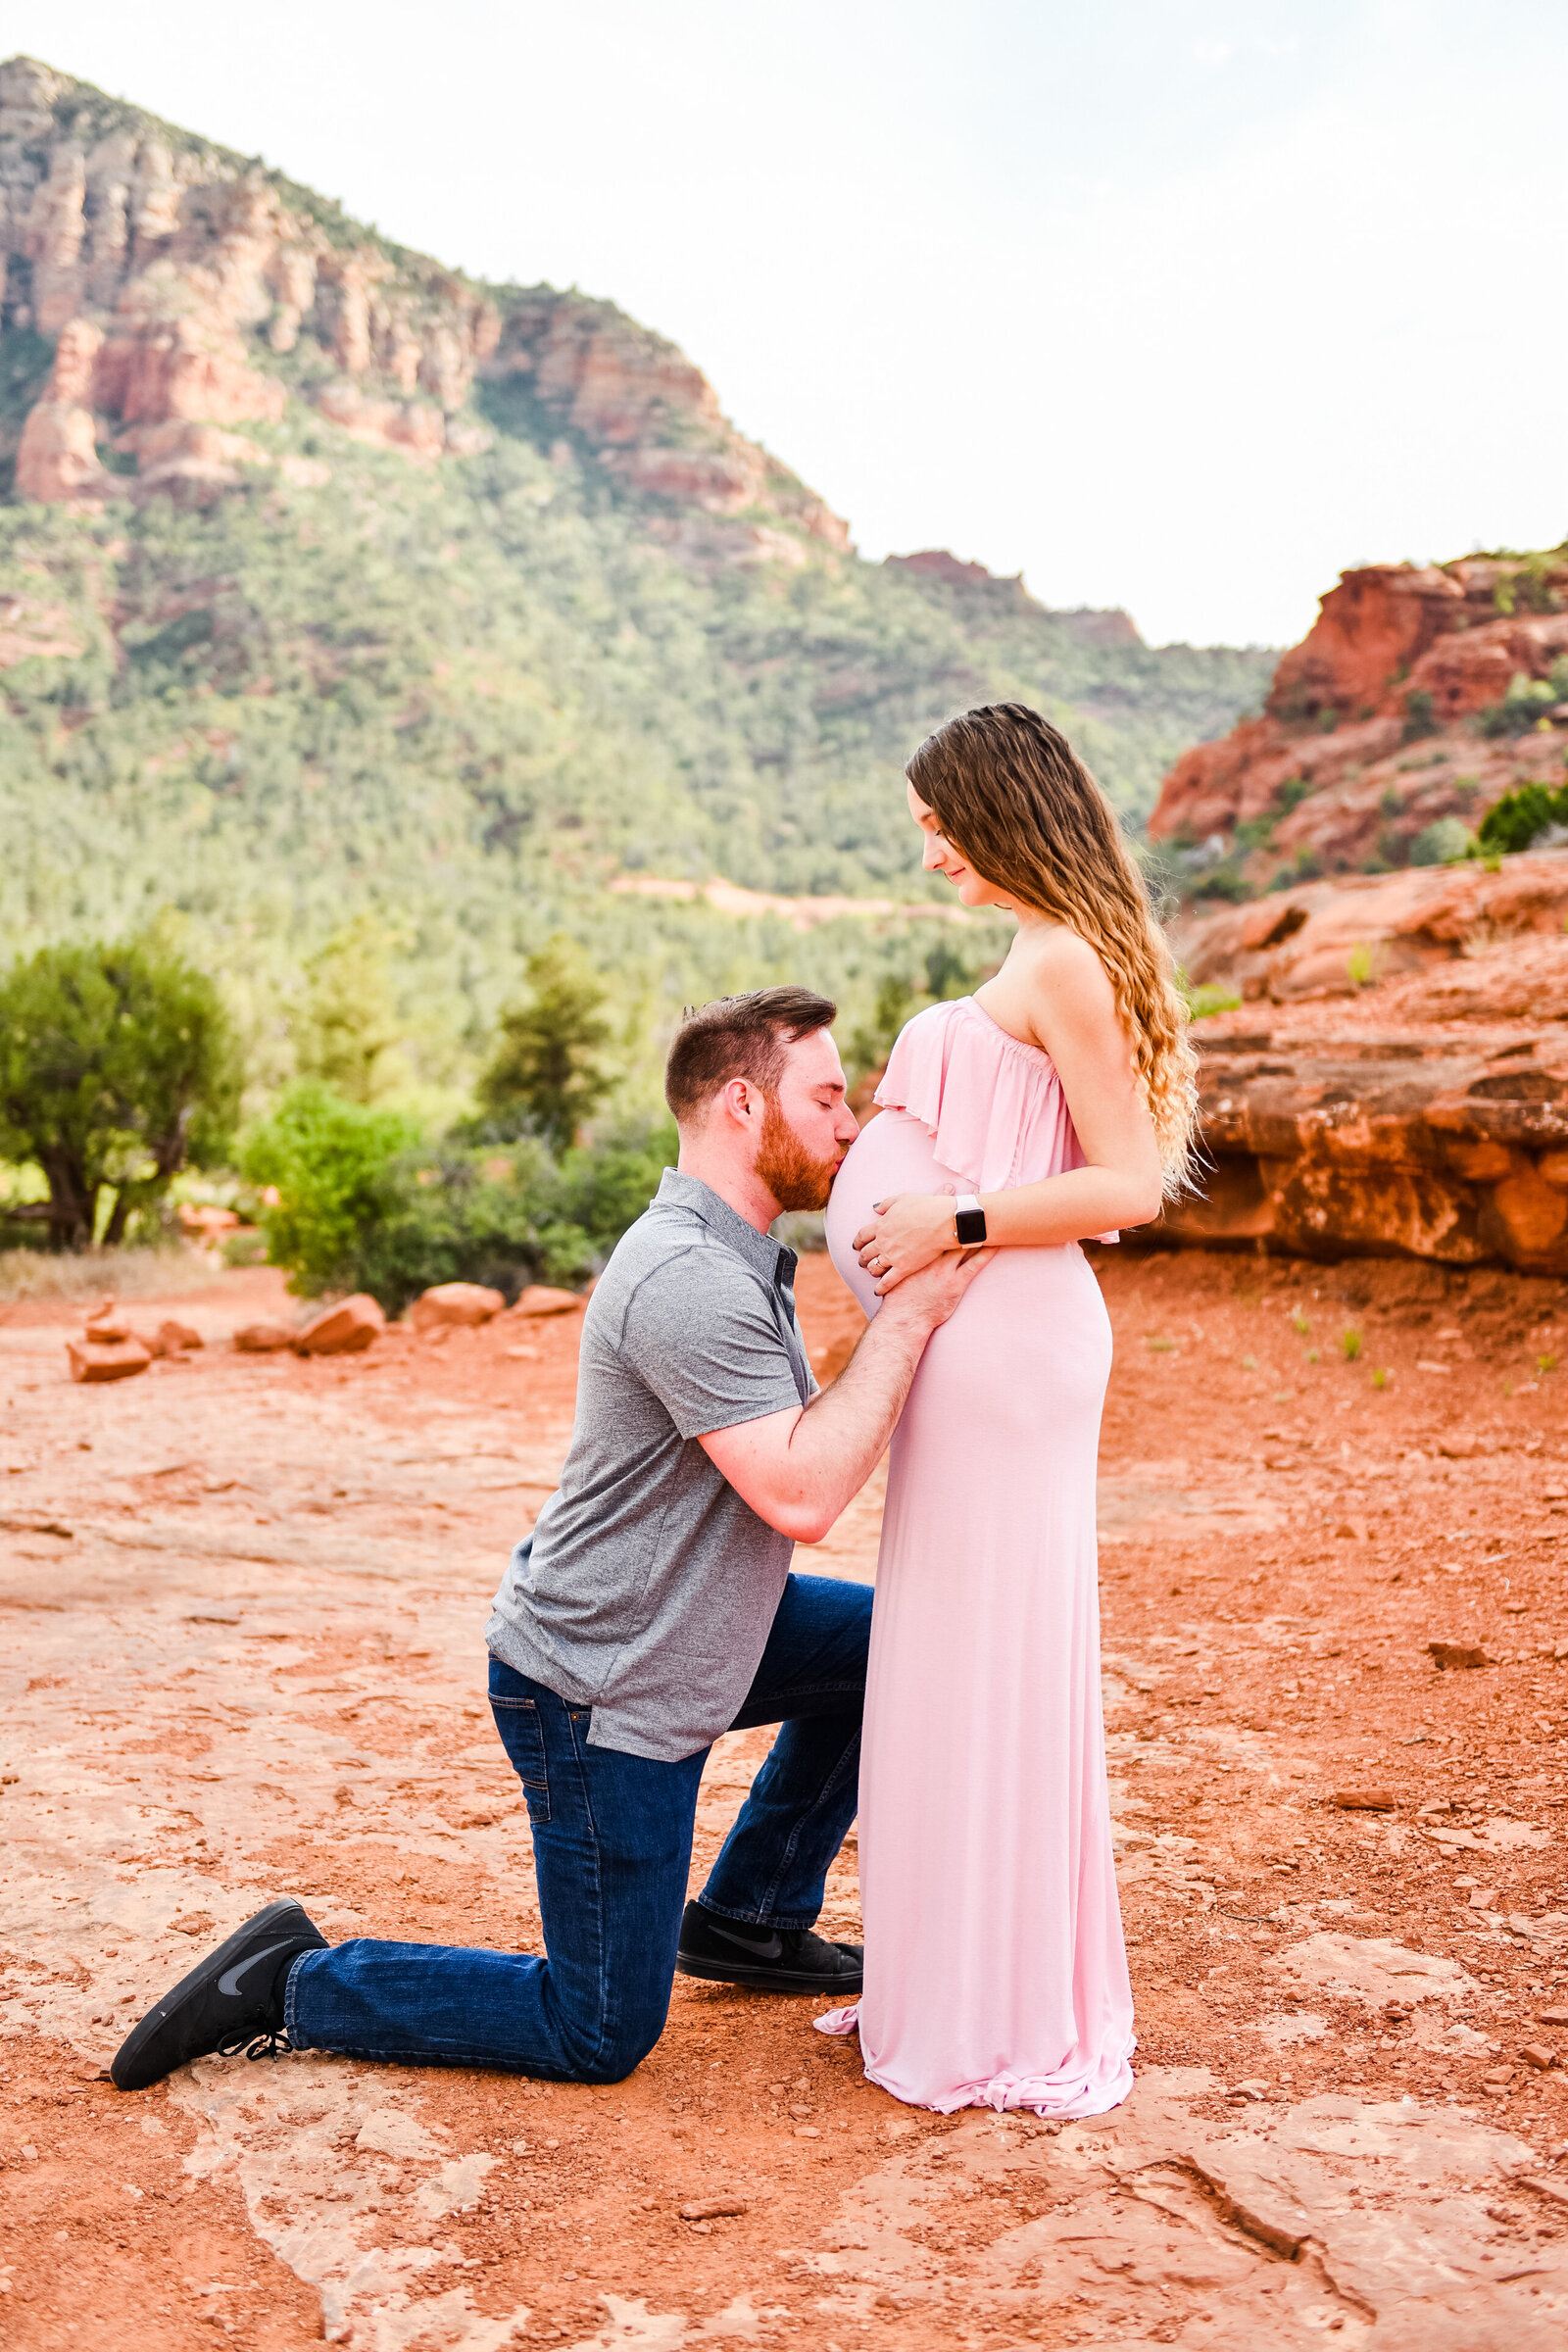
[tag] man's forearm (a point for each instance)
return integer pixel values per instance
(839, 1439)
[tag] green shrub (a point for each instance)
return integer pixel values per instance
(364, 1205)
(1512, 823)
(1526, 703)
(1419, 716)
(1224, 881)
(336, 1168)
(458, 1218)
(1442, 843)
(1214, 996)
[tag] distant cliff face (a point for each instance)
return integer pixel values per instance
(1422, 692)
(1089, 625)
(188, 293)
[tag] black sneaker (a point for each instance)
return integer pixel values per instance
(234, 1996)
(739, 1951)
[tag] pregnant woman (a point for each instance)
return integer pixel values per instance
(1053, 1105)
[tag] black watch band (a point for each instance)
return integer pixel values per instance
(968, 1221)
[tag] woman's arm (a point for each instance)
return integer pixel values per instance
(1062, 993)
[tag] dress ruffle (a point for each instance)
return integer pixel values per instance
(1036, 2094)
(993, 1105)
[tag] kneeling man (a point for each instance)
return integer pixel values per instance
(651, 1609)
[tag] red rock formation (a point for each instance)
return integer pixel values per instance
(1384, 1141)
(1397, 1082)
(193, 265)
(1368, 733)
(1339, 938)
(652, 418)
(940, 564)
(57, 458)
(1090, 626)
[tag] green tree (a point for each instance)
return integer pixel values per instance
(348, 1022)
(117, 1067)
(546, 1077)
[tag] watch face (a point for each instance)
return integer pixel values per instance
(970, 1226)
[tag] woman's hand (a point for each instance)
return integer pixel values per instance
(905, 1233)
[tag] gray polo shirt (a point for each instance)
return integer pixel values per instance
(649, 1588)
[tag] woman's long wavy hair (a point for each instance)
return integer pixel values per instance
(1017, 802)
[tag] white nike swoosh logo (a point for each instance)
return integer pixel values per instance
(229, 1982)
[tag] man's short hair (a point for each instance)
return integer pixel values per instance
(740, 1036)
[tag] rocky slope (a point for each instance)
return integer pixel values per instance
(1422, 693)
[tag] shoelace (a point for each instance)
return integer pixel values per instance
(269, 2044)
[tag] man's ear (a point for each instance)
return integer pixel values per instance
(741, 1101)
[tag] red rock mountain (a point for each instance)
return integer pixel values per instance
(176, 276)
(1422, 692)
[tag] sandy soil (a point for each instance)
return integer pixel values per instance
(241, 1602)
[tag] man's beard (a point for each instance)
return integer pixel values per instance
(794, 1178)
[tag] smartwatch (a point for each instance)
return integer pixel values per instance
(968, 1220)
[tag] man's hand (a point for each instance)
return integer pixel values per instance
(933, 1293)
(797, 1469)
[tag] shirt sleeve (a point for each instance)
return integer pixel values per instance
(702, 1336)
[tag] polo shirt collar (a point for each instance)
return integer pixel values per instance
(762, 1252)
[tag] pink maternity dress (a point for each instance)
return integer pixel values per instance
(994, 1968)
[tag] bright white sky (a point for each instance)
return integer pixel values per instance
(1184, 305)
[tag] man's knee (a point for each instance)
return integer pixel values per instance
(833, 1610)
(622, 2051)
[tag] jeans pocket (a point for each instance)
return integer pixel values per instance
(523, 1736)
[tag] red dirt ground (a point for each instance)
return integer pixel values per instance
(241, 1607)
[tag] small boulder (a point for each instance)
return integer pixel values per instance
(1364, 1800)
(540, 1299)
(107, 1324)
(1539, 2055)
(106, 1359)
(262, 1339)
(1451, 1654)
(454, 1303)
(342, 1330)
(174, 1338)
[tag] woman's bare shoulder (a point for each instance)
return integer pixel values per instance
(1055, 963)
(1051, 977)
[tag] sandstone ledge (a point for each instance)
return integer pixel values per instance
(1438, 1146)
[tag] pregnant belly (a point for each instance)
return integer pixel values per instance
(895, 1154)
(1031, 1335)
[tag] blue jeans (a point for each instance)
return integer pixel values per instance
(613, 1844)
